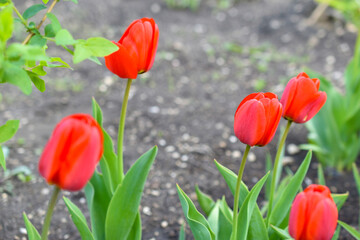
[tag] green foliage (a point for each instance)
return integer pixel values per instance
(205, 201)
(33, 10)
(79, 220)
(350, 230)
(338, 144)
(32, 233)
(193, 5)
(124, 205)
(349, 8)
(7, 131)
(199, 226)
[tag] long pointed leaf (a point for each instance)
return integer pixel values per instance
(247, 209)
(125, 202)
(198, 224)
(350, 230)
(205, 201)
(32, 233)
(283, 205)
(79, 220)
(136, 231)
(257, 229)
(98, 200)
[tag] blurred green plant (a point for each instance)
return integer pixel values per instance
(350, 9)
(24, 64)
(338, 144)
(193, 5)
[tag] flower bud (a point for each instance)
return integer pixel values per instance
(137, 49)
(257, 118)
(72, 152)
(313, 214)
(302, 99)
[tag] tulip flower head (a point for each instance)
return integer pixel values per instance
(72, 152)
(302, 99)
(257, 118)
(137, 48)
(313, 214)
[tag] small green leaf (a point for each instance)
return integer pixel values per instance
(205, 201)
(283, 234)
(339, 199)
(17, 76)
(64, 37)
(81, 53)
(49, 31)
(350, 230)
(247, 208)
(79, 220)
(8, 130)
(125, 202)
(32, 233)
(33, 10)
(38, 82)
(57, 59)
(2, 159)
(6, 23)
(74, 1)
(17, 51)
(38, 40)
(219, 223)
(283, 204)
(45, 1)
(55, 24)
(197, 222)
(100, 47)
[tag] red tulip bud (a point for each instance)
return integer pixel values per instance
(257, 118)
(72, 152)
(313, 214)
(301, 98)
(137, 48)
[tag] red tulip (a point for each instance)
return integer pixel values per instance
(72, 152)
(137, 48)
(301, 98)
(257, 118)
(313, 214)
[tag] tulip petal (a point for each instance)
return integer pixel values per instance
(153, 46)
(311, 108)
(323, 221)
(249, 122)
(122, 63)
(297, 218)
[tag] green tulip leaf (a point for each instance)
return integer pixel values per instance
(321, 176)
(32, 233)
(198, 224)
(205, 201)
(2, 159)
(219, 223)
(283, 204)
(283, 234)
(337, 233)
(79, 220)
(247, 208)
(356, 177)
(182, 235)
(125, 202)
(108, 162)
(98, 200)
(340, 199)
(136, 231)
(350, 230)
(257, 229)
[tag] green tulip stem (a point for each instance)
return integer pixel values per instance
(122, 129)
(49, 212)
(237, 192)
(275, 169)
